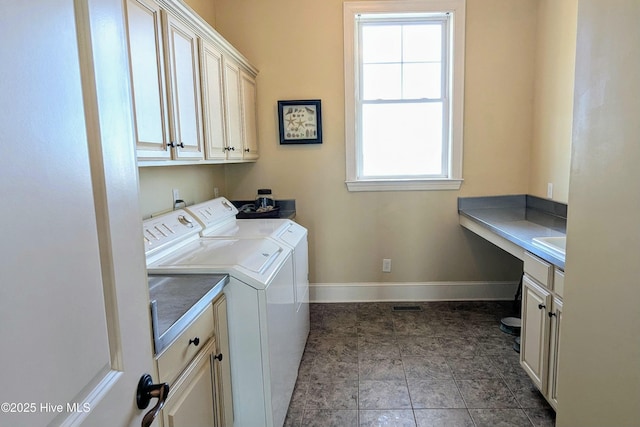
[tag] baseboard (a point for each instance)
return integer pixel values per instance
(428, 291)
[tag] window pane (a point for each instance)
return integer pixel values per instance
(381, 43)
(381, 81)
(422, 81)
(402, 139)
(422, 43)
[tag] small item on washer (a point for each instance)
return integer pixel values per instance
(264, 209)
(511, 325)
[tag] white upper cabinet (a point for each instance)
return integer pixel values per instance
(184, 78)
(194, 95)
(249, 116)
(234, 109)
(146, 62)
(213, 101)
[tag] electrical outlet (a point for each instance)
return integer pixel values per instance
(386, 265)
(176, 195)
(549, 190)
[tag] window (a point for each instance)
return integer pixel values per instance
(404, 76)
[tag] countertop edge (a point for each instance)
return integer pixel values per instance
(162, 342)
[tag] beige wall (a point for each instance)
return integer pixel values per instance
(205, 8)
(553, 100)
(599, 379)
(297, 46)
(195, 183)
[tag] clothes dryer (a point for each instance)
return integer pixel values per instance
(218, 220)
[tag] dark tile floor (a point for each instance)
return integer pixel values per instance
(447, 365)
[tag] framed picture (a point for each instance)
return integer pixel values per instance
(300, 122)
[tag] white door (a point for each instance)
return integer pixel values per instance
(74, 320)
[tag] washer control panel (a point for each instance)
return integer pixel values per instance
(214, 213)
(168, 229)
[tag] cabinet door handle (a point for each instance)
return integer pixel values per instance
(246, 150)
(552, 314)
(219, 357)
(541, 306)
(181, 145)
(195, 341)
(171, 144)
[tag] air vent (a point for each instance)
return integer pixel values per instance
(407, 308)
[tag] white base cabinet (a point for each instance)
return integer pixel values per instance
(534, 342)
(191, 397)
(541, 322)
(554, 352)
(199, 375)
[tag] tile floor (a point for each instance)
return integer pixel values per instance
(447, 365)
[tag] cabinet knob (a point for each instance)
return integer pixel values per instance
(541, 306)
(246, 150)
(171, 144)
(551, 314)
(181, 145)
(195, 341)
(232, 148)
(218, 356)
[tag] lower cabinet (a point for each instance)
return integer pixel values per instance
(541, 325)
(534, 343)
(554, 352)
(191, 398)
(197, 367)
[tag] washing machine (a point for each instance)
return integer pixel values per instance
(218, 220)
(261, 308)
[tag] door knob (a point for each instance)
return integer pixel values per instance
(146, 391)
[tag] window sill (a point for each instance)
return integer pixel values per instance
(404, 184)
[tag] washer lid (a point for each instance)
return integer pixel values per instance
(255, 255)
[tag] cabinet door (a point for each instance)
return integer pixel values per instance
(534, 346)
(249, 117)
(146, 62)
(212, 101)
(554, 352)
(222, 368)
(234, 109)
(191, 399)
(184, 81)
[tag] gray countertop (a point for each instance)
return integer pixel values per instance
(519, 219)
(287, 208)
(176, 300)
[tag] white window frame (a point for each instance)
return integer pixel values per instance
(453, 181)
